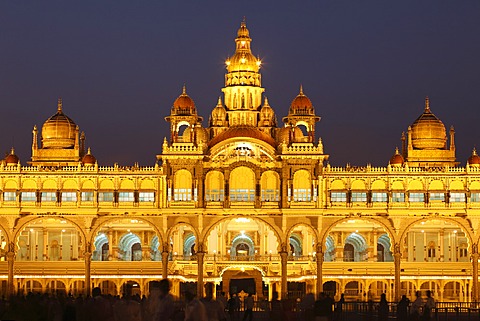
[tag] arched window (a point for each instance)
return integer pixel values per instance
(270, 187)
(302, 185)
(242, 185)
(182, 186)
(431, 249)
(348, 253)
(214, 187)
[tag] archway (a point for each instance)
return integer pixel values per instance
(436, 240)
(130, 248)
(49, 239)
(242, 248)
(355, 248)
(302, 240)
(182, 240)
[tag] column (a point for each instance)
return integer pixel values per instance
(397, 255)
(165, 261)
(441, 243)
(475, 272)
(110, 244)
(88, 260)
(10, 260)
(375, 246)
(200, 256)
(319, 256)
(45, 244)
(284, 257)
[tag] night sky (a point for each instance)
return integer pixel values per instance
(119, 65)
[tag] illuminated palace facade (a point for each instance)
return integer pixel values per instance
(246, 203)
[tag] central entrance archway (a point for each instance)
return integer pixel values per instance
(242, 281)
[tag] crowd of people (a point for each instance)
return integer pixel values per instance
(160, 305)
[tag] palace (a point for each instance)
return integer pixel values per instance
(246, 203)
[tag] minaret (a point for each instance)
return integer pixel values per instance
(243, 91)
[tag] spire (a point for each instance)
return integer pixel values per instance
(474, 152)
(89, 152)
(396, 151)
(427, 105)
(301, 90)
(219, 102)
(59, 105)
(184, 90)
(265, 101)
(12, 151)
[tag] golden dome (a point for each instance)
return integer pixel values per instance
(397, 159)
(219, 113)
(201, 134)
(474, 159)
(12, 158)
(301, 105)
(283, 135)
(242, 131)
(59, 131)
(89, 159)
(428, 132)
(243, 59)
(184, 105)
(266, 112)
(243, 31)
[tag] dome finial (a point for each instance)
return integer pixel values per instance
(301, 89)
(266, 101)
(59, 104)
(244, 21)
(89, 151)
(396, 151)
(184, 89)
(474, 151)
(427, 104)
(12, 151)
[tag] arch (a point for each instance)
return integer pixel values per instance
(127, 243)
(147, 184)
(306, 225)
(239, 266)
(142, 219)
(88, 185)
(70, 184)
(127, 184)
(301, 179)
(182, 185)
(359, 244)
(239, 239)
(436, 185)
(277, 232)
(188, 243)
(295, 242)
(385, 241)
(242, 184)
(464, 229)
(214, 186)
(270, 186)
(3, 232)
(457, 186)
(176, 226)
(29, 220)
(379, 185)
(397, 186)
(415, 185)
(107, 184)
(154, 249)
(49, 184)
(29, 184)
(10, 185)
(329, 255)
(388, 230)
(337, 185)
(358, 185)
(474, 186)
(98, 246)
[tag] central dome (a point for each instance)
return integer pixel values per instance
(59, 131)
(428, 132)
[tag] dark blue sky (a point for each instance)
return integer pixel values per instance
(119, 65)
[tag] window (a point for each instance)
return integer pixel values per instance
(105, 197)
(242, 195)
(182, 194)
(475, 197)
(359, 197)
(49, 197)
(339, 197)
(417, 197)
(270, 195)
(437, 197)
(126, 197)
(302, 195)
(9, 196)
(398, 197)
(29, 197)
(214, 195)
(379, 197)
(87, 196)
(69, 196)
(457, 197)
(146, 197)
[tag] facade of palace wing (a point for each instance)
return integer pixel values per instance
(247, 203)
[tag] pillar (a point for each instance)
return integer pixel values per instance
(200, 257)
(110, 244)
(10, 260)
(397, 255)
(165, 261)
(88, 260)
(284, 257)
(319, 258)
(441, 245)
(475, 273)
(375, 246)
(45, 244)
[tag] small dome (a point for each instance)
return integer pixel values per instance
(59, 131)
(301, 105)
(242, 131)
(219, 113)
(89, 159)
(201, 134)
(397, 159)
(283, 135)
(298, 135)
(243, 31)
(12, 158)
(184, 105)
(428, 132)
(474, 159)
